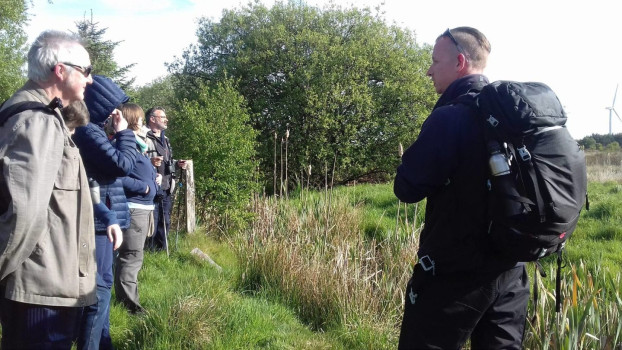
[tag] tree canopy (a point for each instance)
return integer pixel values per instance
(347, 87)
(13, 49)
(160, 92)
(101, 52)
(609, 142)
(213, 131)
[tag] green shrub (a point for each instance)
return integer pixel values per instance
(213, 131)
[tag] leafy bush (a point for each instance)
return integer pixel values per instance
(213, 131)
(348, 87)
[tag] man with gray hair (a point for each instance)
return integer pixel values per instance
(460, 288)
(47, 242)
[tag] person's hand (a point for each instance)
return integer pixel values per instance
(159, 179)
(182, 164)
(108, 128)
(115, 235)
(118, 122)
(157, 160)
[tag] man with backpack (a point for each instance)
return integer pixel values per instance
(461, 287)
(47, 243)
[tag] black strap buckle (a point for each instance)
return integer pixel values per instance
(492, 121)
(524, 154)
(55, 103)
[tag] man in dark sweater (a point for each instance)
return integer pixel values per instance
(459, 289)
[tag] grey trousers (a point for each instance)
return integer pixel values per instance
(130, 259)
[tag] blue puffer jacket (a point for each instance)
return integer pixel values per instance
(136, 183)
(105, 161)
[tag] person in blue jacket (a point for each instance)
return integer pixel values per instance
(105, 162)
(459, 288)
(76, 115)
(140, 189)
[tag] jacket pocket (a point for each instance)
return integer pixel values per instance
(68, 175)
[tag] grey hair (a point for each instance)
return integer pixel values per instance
(50, 48)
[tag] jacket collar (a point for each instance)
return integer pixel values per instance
(31, 91)
(152, 136)
(460, 87)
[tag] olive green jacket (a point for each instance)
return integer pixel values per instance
(47, 238)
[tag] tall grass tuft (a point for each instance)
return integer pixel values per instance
(604, 166)
(590, 318)
(346, 272)
(325, 268)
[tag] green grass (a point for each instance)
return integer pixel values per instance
(193, 306)
(598, 238)
(327, 270)
(379, 207)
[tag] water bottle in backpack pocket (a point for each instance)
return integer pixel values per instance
(534, 204)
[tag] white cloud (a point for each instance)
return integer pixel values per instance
(141, 6)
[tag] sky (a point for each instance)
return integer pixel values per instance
(575, 47)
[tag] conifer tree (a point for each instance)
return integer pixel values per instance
(101, 52)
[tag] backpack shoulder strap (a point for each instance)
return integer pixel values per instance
(17, 108)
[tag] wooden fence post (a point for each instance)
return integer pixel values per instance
(189, 181)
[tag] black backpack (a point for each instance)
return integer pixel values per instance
(19, 107)
(541, 186)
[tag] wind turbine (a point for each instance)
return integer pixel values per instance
(612, 109)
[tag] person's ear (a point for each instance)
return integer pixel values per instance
(462, 62)
(58, 71)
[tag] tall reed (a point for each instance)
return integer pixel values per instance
(604, 166)
(590, 317)
(312, 254)
(323, 266)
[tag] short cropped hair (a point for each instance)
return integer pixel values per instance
(151, 111)
(133, 113)
(50, 47)
(474, 43)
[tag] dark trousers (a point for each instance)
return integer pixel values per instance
(162, 219)
(95, 330)
(29, 326)
(443, 312)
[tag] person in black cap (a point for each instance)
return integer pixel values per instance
(106, 161)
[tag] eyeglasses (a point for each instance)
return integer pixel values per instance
(451, 37)
(161, 117)
(84, 70)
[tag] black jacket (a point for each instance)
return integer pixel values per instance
(161, 146)
(447, 164)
